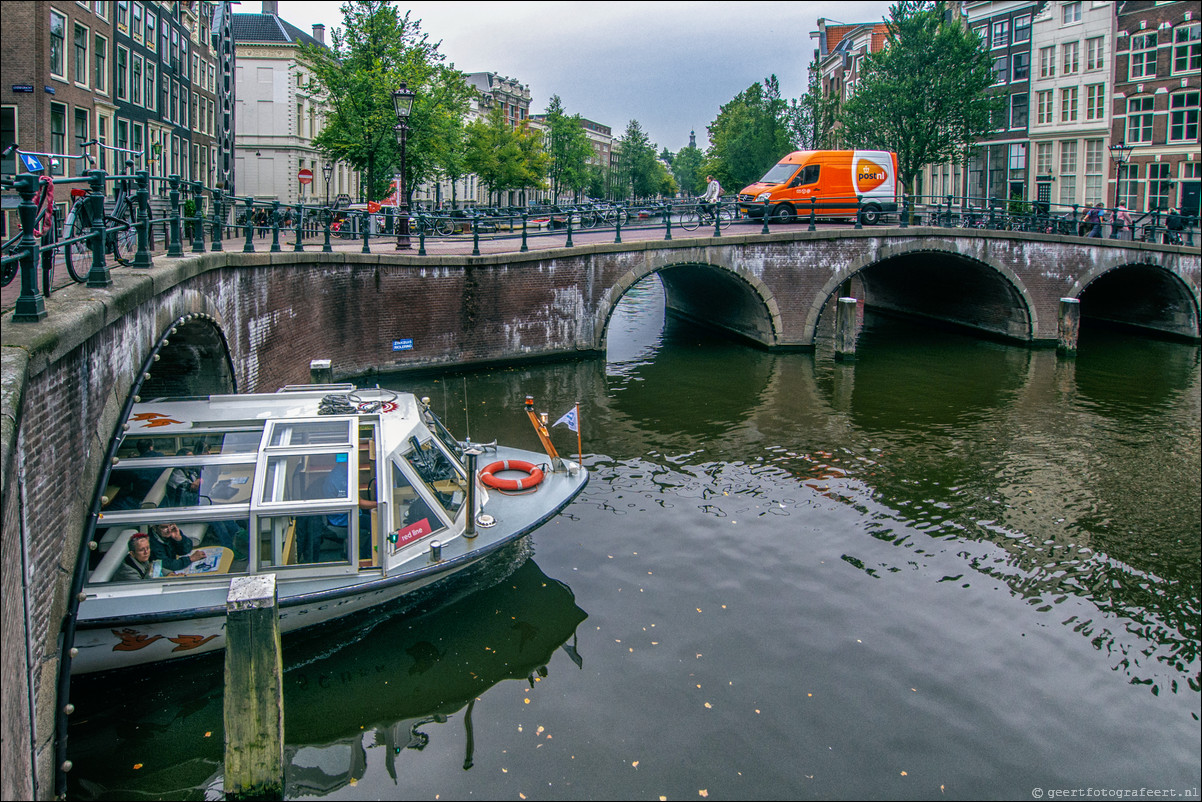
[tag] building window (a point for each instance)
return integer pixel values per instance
(1139, 121)
(81, 132)
(1001, 33)
(1022, 28)
(1019, 105)
(1001, 69)
(1095, 102)
(163, 42)
(1068, 104)
(122, 70)
(100, 8)
(81, 54)
(1022, 66)
(58, 34)
(1183, 117)
(1158, 186)
(1187, 48)
(123, 16)
(102, 133)
(1047, 62)
(135, 81)
(1043, 158)
(1071, 13)
(1018, 156)
(1094, 165)
(1072, 56)
(100, 57)
(135, 142)
(150, 86)
(1095, 53)
(58, 134)
(1130, 187)
(151, 21)
(1068, 157)
(1143, 55)
(135, 18)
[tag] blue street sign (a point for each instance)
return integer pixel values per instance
(31, 163)
(402, 345)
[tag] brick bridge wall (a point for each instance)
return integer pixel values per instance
(66, 379)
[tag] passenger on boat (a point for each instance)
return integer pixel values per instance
(137, 563)
(141, 480)
(336, 487)
(167, 543)
(183, 490)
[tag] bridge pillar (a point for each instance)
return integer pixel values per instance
(1067, 325)
(845, 329)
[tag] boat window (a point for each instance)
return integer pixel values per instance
(305, 477)
(309, 433)
(448, 440)
(412, 516)
(445, 481)
(300, 540)
(149, 483)
(240, 442)
(172, 549)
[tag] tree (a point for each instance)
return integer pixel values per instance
(686, 168)
(750, 134)
(502, 157)
(925, 95)
(811, 118)
(370, 56)
(568, 148)
(636, 163)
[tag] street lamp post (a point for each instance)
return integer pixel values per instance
(1119, 154)
(402, 101)
(327, 170)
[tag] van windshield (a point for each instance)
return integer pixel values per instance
(779, 174)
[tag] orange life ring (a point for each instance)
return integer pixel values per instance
(525, 483)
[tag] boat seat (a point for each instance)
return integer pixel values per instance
(158, 491)
(113, 557)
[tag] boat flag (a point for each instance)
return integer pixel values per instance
(570, 420)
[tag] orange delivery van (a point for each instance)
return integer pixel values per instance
(828, 176)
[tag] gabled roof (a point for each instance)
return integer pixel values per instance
(835, 34)
(268, 29)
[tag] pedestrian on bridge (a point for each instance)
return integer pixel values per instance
(1093, 222)
(1120, 220)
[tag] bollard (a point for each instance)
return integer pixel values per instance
(905, 214)
(275, 227)
(326, 247)
(668, 222)
(366, 232)
(421, 241)
(249, 245)
(298, 246)
(98, 276)
(717, 218)
(813, 208)
(218, 212)
(524, 247)
(254, 690)
(198, 226)
(321, 372)
(568, 243)
(618, 230)
(845, 329)
(30, 307)
(859, 213)
(1068, 324)
(175, 246)
(765, 229)
(141, 210)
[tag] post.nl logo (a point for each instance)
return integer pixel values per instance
(869, 175)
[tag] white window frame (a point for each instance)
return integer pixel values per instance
(1071, 13)
(1143, 56)
(1072, 57)
(1186, 113)
(76, 27)
(1191, 46)
(62, 48)
(101, 77)
(1139, 121)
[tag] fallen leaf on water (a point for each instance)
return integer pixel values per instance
(207, 734)
(137, 766)
(708, 706)
(504, 771)
(635, 764)
(903, 774)
(703, 792)
(539, 731)
(526, 701)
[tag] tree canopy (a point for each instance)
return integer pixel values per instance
(636, 173)
(370, 56)
(750, 134)
(568, 149)
(811, 117)
(925, 94)
(505, 158)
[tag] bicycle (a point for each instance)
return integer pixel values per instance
(693, 218)
(121, 242)
(45, 220)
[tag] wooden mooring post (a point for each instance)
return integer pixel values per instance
(1068, 325)
(845, 329)
(254, 690)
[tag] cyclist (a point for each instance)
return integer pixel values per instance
(713, 192)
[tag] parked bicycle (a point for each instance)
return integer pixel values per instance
(120, 238)
(46, 228)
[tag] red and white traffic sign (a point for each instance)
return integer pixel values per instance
(305, 176)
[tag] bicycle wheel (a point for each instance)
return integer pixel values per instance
(78, 255)
(690, 220)
(444, 226)
(621, 215)
(125, 239)
(727, 213)
(588, 218)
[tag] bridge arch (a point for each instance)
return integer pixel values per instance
(1140, 295)
(936, 281)
(738, 302)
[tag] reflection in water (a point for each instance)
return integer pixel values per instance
(950, 563)
(382, 679)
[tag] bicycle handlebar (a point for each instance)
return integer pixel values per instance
(13, 147)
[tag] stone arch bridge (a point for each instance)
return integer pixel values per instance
(224, 321)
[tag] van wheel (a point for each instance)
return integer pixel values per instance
(871, 215)
(783, 213)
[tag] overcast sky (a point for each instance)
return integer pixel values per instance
(669, 65)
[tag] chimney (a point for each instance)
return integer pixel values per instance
(271, 7)
(319, 32)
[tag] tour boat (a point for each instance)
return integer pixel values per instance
(351, 497)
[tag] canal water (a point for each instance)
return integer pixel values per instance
(950, 569)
